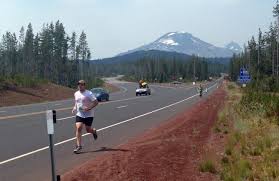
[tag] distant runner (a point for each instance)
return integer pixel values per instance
(85, 102)
(200, 89)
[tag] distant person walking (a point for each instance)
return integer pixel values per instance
(200, 90)
(85, 102)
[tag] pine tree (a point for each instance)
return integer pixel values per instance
(28, 56)
(72, 47)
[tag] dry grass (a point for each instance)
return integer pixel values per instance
(252, 147)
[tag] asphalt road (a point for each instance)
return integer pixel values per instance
(24, 140)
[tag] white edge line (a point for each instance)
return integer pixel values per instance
(122, 107)
(101, 129)
(66, 108)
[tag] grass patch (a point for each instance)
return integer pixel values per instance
(207, 166)
(252, 147)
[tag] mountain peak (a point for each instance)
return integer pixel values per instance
(186, 43)
(234, 47)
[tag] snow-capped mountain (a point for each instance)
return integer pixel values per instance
(234, 47)
(186, 43)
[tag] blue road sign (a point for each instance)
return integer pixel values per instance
(244, 76)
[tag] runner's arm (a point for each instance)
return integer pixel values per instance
(92, 105)
(74, 108)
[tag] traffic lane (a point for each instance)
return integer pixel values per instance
(38, 128)
(38, 107)
(29, 133)
(37, 166)
(128, 91)
(65, 128)
(24, 134)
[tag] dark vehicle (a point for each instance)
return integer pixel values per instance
(101, 94)
(176, 82)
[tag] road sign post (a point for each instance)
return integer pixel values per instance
(51, 120)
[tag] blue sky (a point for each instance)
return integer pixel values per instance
(114, 26)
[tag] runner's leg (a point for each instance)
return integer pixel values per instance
(79, 126)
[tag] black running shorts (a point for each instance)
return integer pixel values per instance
(87, 121)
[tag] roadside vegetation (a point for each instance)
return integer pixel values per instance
(250, 123)
(20, 81)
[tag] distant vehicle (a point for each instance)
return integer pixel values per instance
(101, 94)
(143, 89)
(176, 82)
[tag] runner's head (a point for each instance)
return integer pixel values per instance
(81, 85)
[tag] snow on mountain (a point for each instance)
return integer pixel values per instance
(186, 43)
(234, 47)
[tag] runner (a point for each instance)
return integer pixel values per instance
(85, 102)
(200, 90)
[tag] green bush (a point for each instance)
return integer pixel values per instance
(228, 151)
(207, 166)
(264, 84)
(244, 168)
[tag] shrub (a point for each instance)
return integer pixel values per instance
(262, 104)
(231, 87)
(244, 168)
(225, 160)
(207, 166)
(228, 151)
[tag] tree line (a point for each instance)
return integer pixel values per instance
(158, 69)
(50, 54)
(260, 58)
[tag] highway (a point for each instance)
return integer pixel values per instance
(24, 140)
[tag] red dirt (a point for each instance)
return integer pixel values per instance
(171, 151)
(42, 93)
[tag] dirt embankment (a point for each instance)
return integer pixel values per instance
(42, 93)
(172, 151)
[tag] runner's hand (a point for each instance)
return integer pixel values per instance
(73, 111)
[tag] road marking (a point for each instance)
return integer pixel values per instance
(122, 107)
(53, 102)
(57, 104)
(101, 129)
(65, 118)
(36, 104)
(61, 109)
(3, 111)
(124, 88)
(167, 87)
(30, 114)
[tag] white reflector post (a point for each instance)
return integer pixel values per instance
(50, 127)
